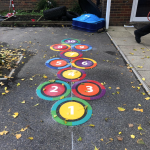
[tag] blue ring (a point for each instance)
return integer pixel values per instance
(47, 63)
(73, 47)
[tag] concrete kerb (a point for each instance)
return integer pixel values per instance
(145, 86)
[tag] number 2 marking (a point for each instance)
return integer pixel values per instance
(55, 88)
(89, 88)
(58, 63)
(72, 109)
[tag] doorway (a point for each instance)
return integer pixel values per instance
(140, 9)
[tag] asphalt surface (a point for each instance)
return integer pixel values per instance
(50, 135)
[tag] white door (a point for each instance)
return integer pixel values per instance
(140, 10)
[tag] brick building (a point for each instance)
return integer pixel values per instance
(122, 11)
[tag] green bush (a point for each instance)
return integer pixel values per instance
(43, 4)
(76, 8)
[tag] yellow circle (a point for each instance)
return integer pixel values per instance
(71, 54)
(71, 74)
(72, 110)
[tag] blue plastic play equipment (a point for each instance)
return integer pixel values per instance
(88, 22)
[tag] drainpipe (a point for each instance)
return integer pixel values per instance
(108, 13)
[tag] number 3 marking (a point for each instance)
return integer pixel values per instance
(72, 109)
(55, 88)
(89, 88)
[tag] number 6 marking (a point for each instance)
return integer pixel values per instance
(72, 109)
(89, 88)
(84, 63)
(54, 90)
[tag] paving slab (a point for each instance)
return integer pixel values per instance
(120, 34)
(146, 75)
(108, 120)
(138, 50)
(116, 28)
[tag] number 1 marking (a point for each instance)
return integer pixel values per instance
(72, 109)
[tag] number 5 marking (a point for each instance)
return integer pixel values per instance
(55, 88)
(72, 109)
(58, 63)
(89, 88)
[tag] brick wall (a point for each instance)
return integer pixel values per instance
(31, 4)
(120, 11)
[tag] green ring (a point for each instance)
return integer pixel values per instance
(38, 91)
(83, 120)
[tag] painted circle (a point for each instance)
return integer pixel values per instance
(70, 41)
(72, 110)
(60, 47)
(58, 63)
(88, 89)
(81, 47)
(63, 112)
(71, 74)
(54, 89)
(71, 54)
(84, 63)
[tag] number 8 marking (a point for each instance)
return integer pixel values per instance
(72, 109)
(54, 90)
(89, 88)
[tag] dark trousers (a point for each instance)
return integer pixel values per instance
(143, 31)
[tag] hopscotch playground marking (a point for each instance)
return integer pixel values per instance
(71, 111)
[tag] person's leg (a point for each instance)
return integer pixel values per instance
(141, 32)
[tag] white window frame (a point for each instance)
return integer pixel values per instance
(133, 17)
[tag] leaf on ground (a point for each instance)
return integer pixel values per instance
(30, 138)
(55, 116)
(6, 91)
(109, 87)
(23, 102)
(15, 114)
(137, 109)
(140, 141)
(143, 79)
(79, 139)
(121, 109)
(139, 104)
(143, 93)
(140, 128)
(18, 136)
(120, 133)
(132, 136)
(138, 87)
(4, 132)
(118, 92)
(5, 88)
(36, 104)
(96, 148)
(23, 129)
(117, 88)
(1, 83)
(147, 98)
(130, 125)
(31, 79)
(85, 107)
(91, 125)
(18, 84)
(45, 77)
(119, 138)
(3, 93)
(102, 140)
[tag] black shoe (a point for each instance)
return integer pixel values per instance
(137, 37)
